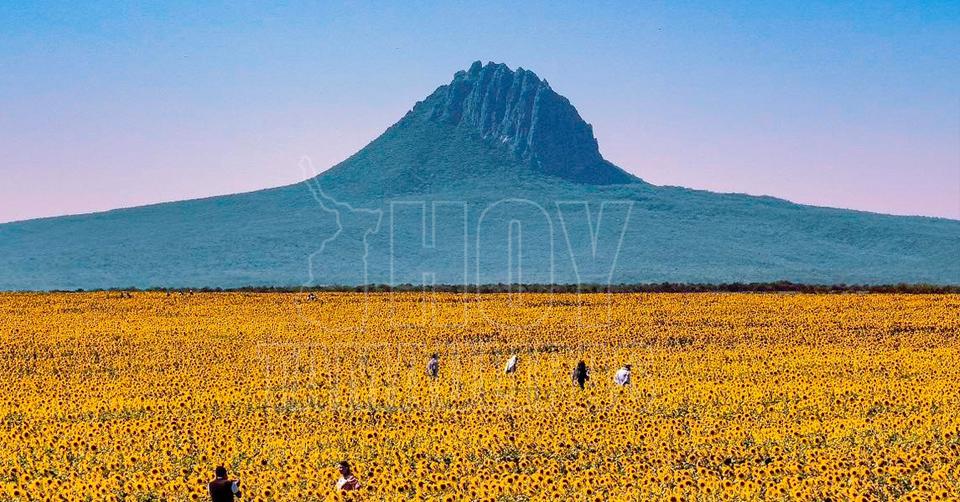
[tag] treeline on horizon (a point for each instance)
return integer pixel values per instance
(663, 287)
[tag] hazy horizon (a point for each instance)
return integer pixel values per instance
(117, 105)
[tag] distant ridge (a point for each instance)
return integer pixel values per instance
(493, 178)
(666, 287)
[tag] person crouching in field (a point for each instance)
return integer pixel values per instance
(347, 482)
(622, 378)
(433, 366)
(222, 489)
(511, 365)
(580, 374)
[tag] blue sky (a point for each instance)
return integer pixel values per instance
(113, 104)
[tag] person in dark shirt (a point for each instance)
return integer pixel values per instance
(580, 374)
(222, 489)
(433, 366)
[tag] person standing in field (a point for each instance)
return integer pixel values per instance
(433, 366)
(581, 374)
(511, 365)
(347, 482)
(222, 489)
(622, 377)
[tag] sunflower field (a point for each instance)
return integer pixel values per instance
(138, 396)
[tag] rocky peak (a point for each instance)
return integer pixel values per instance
(521, 112)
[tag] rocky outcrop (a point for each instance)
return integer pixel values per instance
(521, 112)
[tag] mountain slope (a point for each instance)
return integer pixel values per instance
(492, 178)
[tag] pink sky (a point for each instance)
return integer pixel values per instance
(842, 106)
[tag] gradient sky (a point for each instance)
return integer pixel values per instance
(843, 104)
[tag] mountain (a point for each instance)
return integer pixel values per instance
(523, 113)
(492, 178)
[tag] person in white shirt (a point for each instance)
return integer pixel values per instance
(511, 365)
(347, 482)
(623, 376)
